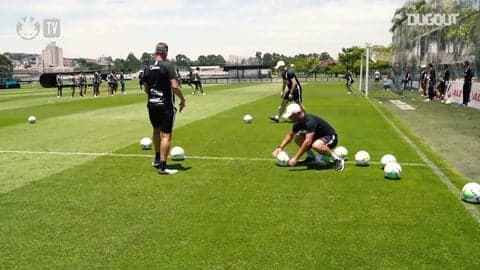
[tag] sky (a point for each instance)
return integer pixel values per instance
(232, 28)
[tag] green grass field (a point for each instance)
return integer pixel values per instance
(77, 192)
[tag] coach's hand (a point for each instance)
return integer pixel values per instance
(292, 162)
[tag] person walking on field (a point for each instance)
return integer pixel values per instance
(161, 86)
(291, 90)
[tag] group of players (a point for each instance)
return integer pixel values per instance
(430, 87)
(81, 81)
(310, 132)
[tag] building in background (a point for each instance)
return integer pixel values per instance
(52, 55)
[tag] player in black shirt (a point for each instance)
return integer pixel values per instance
(432, 80)
(59, 85)
(467, 83)
(349, 81)
(161, 84)
(310, 131)
(293, 92)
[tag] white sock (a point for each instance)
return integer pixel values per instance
(335, 157)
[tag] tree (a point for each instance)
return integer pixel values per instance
(131, 63)
(182, 60)
(202, 60)
(146, 58)
(348, 56)
(325, 56)
(267, 59)
(6, 68)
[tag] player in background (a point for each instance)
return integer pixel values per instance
(291, 90)
(349, 81)
(59, 85)
(197, 81)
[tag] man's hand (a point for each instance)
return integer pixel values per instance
(276, 151)
(292, 162)
(182, 105)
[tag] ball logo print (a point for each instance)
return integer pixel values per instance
(28, 28)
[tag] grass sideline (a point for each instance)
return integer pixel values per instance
(115, 212)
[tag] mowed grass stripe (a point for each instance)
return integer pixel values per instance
(102, 129)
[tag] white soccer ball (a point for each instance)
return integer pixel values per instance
(471, 192)
(177, 153)
(362, 158)
(146, 143)
(341, 152)
(392, 170)
(387, 158)
(282, 159)
(32, 119)
(247, 119)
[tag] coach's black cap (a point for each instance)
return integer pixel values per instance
(161, 47)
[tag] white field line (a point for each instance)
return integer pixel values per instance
(444, 178)
(107, 154)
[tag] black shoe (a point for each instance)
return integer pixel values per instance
(307, 160)
(274, 119)
(339, 165)
(156, 163)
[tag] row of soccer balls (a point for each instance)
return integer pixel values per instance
(390, 166)
(392, 170)
(176, 153)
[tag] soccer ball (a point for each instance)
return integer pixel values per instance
(392, 170)
(341, 152)
(177, 153)
(146, 143)
(386, 159)
(32, 119)
(362, 158)
(471, 192)
(282, 159)
(247, 119)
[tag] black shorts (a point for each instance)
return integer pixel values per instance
(197, 83)
(330, 140)
(297, 95)
(161, 117)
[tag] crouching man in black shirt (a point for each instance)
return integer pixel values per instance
(310, 132)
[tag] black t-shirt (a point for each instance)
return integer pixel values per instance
(288, 75)
(314, 124)
(468, 75)
(158, 76)
(446, 75)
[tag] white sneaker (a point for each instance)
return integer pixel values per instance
(167, 171)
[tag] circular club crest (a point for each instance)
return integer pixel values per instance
(28, 28)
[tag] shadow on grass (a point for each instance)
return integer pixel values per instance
(178, 166)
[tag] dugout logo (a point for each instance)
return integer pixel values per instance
(430, 19)
(28, 28)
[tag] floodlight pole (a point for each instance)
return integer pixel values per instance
(366, 69)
